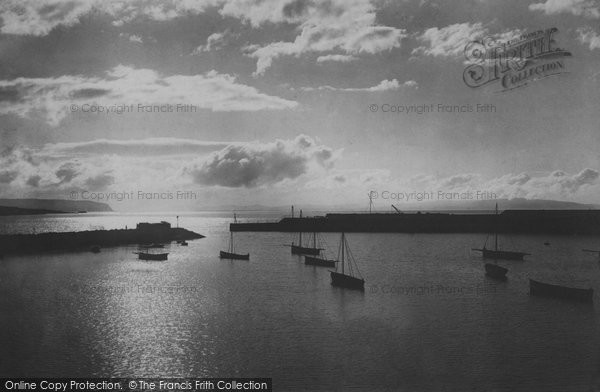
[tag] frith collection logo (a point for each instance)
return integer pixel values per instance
(514, 63)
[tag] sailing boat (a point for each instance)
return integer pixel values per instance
(149, 256)
(555, 291)
(496, 253)
(230, 254)
(318, 261)
(305, 250)
(342, 279)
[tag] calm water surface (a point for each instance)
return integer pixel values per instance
(428, 319)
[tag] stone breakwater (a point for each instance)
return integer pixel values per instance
(83, 240)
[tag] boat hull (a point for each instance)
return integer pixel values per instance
(346, 281)
(153, 256)
(233, 256)
(502, 254)
(301, 250)
(308, 260)
(555, 291)
(495, 271)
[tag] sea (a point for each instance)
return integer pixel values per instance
(428, 320)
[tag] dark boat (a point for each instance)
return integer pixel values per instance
(230, 254)
(342, 279)
(317, 261)
(234, 256)
(183, 243)
(95, 249)
(495, 271)
(155, 246)
(555, 291)
(499, 254)
(152, 256)
(302, 250)
(305, 250)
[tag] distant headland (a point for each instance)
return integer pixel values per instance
(49, 206)
(144, 233)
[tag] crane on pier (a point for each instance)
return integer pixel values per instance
(397, 210)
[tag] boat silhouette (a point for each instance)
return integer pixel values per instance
(305, 250)
(230, 253)
(348, 280)
(495, 271)
(497, 253)
(152, 256)
(317, 260)
(555, 291)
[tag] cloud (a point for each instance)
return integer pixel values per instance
(554, 185)
(215, 41)
(450, 41)
(135, 38)
(132, 38)
(34, 181)
(341, 58)
(586, 8)
(55, 169)
(67, 172)
(39, 17)
(363, 179)
(587, 36)
(29, 17)
(458, 181)
(99, 182)
(7, 176)
(142, 147)
(384, 85)
(125, 85)
(348, 26)
(257, 164)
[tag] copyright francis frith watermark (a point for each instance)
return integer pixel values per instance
(514, 63)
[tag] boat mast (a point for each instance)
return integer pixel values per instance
(343, 245)
(496, 231)
(300, 233)
(231, 246)
(315, 240)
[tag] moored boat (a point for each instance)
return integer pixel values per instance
(495, 271)
(152, 256)
(230, 254)
(497, 253)
(555, 291)
(233, 256)
(501, 254)
(350, 280)
(317, 261)
(305, 250)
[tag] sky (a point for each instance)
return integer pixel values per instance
(181, 104)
